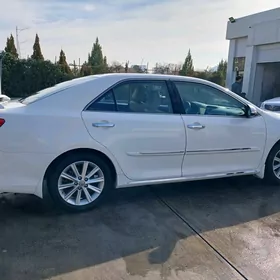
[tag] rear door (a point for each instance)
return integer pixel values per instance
(135, 120)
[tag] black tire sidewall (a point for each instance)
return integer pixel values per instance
(269, 173)
(53, 177)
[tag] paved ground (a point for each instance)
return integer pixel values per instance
(222, 229)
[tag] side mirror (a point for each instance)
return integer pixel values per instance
(250, 111)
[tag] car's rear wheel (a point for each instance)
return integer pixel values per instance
(272, 167)
(79, 182)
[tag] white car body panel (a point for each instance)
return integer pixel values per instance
(144, 149)
(141, 143)
(226, 144)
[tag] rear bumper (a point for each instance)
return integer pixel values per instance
(23, 172)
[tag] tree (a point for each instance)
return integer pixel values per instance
(116, 67)
(222, 66)
(63, 63)
(86, 70)
(187, 68)
(96, 60)
(10, 47)
(126, 67)
(138, 69)
(222, 71)
(105, 64)
(37, 53)
(23, 77)
(75, 69)
(162, 69)
(217, 78)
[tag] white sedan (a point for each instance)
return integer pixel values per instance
(80, 139)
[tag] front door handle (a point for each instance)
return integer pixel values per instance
(196, 126)
(103, 124)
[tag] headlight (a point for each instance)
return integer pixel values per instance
(275, 108)
(268, 107)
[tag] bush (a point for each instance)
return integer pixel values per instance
(23, 77)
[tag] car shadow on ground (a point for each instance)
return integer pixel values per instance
(39, 242)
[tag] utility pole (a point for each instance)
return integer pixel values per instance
(17, 39)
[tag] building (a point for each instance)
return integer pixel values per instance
(254, 53)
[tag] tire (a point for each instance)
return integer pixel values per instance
(271, 163)
(83, 196)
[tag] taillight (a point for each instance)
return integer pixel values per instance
(2, 121)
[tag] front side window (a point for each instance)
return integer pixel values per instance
(136, 97)
(199, 99)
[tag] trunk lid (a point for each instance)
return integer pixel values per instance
(10, 104)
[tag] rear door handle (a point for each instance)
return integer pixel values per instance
(103, 124)
(196, 126)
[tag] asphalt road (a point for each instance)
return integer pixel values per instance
(220, 229)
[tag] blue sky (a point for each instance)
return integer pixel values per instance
(136, 30)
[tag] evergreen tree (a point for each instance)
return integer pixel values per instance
(10, 47)
(137, 69)
(126, 67)
(222, 71)
(37, 53)
(96, 59)
(222, 67)
(63, 63)
(86, 70)
(75, 69)
(105, 64)
(187, 68)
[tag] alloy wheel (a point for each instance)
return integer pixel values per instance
(81, 183)
(276, 165)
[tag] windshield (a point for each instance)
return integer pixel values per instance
(54, 89)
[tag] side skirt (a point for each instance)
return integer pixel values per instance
(189, 178)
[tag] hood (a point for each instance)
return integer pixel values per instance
(275, 100)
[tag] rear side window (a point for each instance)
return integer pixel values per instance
(55, 89)
(105, 103)
(135, 97)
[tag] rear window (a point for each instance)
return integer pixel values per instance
(56, 88)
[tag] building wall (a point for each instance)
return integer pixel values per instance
(241, 44)
(257, 38)
(240, 28)
(268, 53)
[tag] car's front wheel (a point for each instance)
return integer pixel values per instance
(272, 166)
(79, 182)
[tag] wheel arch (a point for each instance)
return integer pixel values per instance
(77, 151)
(275, 144)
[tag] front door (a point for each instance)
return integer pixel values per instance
(135, 121)
(220, 138)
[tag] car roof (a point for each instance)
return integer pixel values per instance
(146, 76)
(118, 77)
